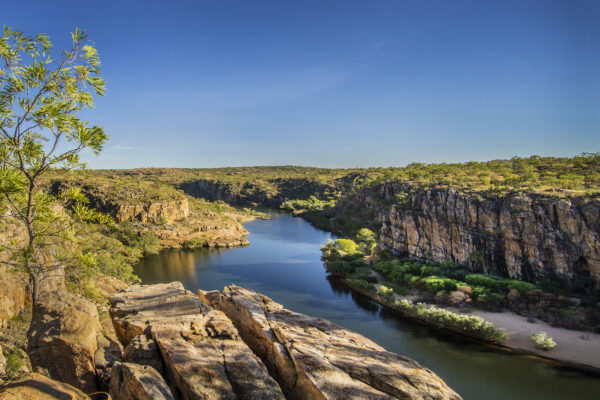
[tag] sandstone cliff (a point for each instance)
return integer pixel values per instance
(526, 237)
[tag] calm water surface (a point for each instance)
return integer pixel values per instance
(283, 262)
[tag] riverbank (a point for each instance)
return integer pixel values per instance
(575, 349)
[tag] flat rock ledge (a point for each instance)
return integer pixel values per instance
(239, 344)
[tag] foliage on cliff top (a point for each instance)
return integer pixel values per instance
(556, 176)
(115, 187)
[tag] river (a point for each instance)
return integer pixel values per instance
(283, 262)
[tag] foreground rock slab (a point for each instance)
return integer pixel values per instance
(38, 387)
(203, 354)
(312, 358)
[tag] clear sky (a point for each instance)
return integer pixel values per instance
(335, 83)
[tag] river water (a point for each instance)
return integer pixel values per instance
(283, 262)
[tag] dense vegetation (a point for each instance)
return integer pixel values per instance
(443, 278)
(345, 258)
(556, 176)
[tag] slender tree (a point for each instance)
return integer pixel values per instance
(41, 97)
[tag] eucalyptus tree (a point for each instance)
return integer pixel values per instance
(42, 95)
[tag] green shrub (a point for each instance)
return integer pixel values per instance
(435, 284)
(347, 246)
(543, 341)
(365, 277)
(363, 285)
(385, 292)
(521, 286)
(148, 243)
(339, 268)
(486, 281)
(470, 325)
(14, 362)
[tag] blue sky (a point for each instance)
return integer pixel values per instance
(335, 83)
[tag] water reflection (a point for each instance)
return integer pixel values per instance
(283, 262)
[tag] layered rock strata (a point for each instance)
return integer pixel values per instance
(313, 358)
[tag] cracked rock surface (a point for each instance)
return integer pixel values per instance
(313, 358)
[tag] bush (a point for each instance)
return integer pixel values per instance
(385, 292)
(339, 268)
(362, 285)
(489, 282)
(148, 243)
(346, 246)
(521, 286)
(434, 284)
(543, 341)
(469, 325)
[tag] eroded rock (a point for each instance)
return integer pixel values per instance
(2, 363)
(201, 348)
(109, 352)
(142, 350)
(63, 338)
(312, 358)
(131, 381)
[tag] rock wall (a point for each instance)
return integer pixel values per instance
(518, 236)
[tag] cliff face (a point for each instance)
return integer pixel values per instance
(152, 213)
(519, 236)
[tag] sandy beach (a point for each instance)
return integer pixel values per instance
(581, 349)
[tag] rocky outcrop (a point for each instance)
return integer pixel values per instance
(63, 338)
(14, 294)
(143, 351)
(152, 213)
(519, 236)
(2, 363)
(201, 349)
(313, 358)
(138, 382)
(38, 387)
(109, 353)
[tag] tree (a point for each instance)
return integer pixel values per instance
(40, 99)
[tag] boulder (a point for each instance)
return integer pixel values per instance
(202, 351)
(63, 338)
(138, 382)
(142, 350)
(312, 358)
(38, 387)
